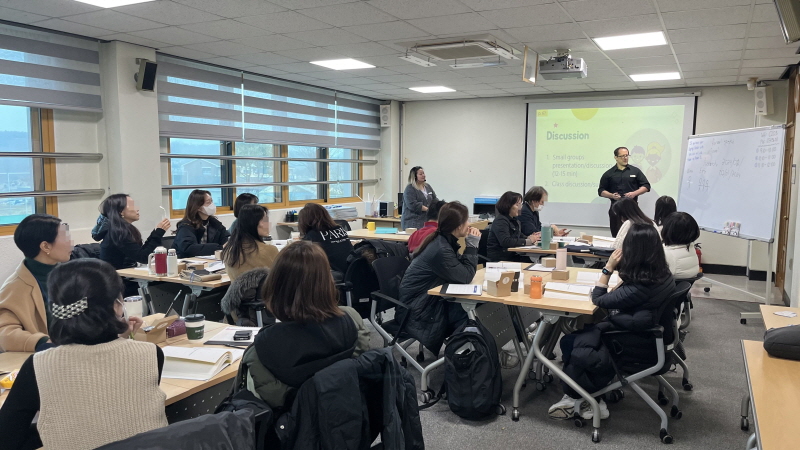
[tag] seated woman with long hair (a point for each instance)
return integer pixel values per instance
(246, 250)
(679, 233)
(629, 213)
(313, 332)
(506, 230)
(94, 388)
(199, 233)
(634, 305)
(316, 225)
(665, 205)
(435, 263)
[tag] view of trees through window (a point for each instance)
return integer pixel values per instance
(18, 129)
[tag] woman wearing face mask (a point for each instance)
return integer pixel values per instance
(199, 232)
(416, 199)
(93, 380)
(246, 250)
(24, 305)
(532, 204)
(506, 231)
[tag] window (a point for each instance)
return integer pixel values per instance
(24, 130)
(342, 171)
(191, 171)
(304, 171)
(255, 171)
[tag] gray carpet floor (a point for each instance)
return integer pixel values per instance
(710, 412)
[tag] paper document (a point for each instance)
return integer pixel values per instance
(563, 239)
(565, 296)
(211, 257)
(462, 289)
(540, 268)
(593, 277)
(226, 336)
(197, 363)
(215, 266)
(569, 288)
(785, 314)
(503, 267)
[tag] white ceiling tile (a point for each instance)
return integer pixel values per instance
(771, 62)
(284, 22)
(266, 71)
(113, 20)
(389, 30)
(331, 36)
(571, 88)
(376, 86)
(574, 45)
(712, 56)
(174, 36)
(768, 42)
(349, 14)
(612, 86)
(767, 73)
(716, 33)
(297, 77)
(265, 58)
(709, 46)
(333, 75)
(485, 5)
(134, 40)
(416, 9)
(614, 27)
(703, 18)
(487, 92)
(14, 15)
(168, 12)
(612, 79)
(605, 73)
(660, 84)
(273, 42)
(357, 81)
(582, 10)
(74, 28)
(225, 29)
(527, 16)
(765, 29)
(643, 52)
(686, 5)
(710, 65)
(558, 32)
(469, 23)
(300, 67)
(710, 80)
(372, 72)
(234, 8)
(51, 8)
(186, 52)
(650, 69)
(394, 78)
(310, 54)
(766, 13)
(302, 4)
(646, 62)
(392, 61)
(363, 49)
(711, 73)
(771, 53)
(440, 76)
(229, 62)
(223, 48)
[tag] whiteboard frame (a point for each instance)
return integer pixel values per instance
(777, 185)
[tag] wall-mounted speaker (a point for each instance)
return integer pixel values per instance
(146, 76)
(763, 100)
(386, 115)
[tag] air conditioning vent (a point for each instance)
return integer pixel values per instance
(462, 48)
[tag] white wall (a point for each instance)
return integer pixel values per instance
(477, 146)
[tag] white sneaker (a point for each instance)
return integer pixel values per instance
(586, 411)
(564, 409)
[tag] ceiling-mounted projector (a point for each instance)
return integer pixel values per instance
(562, 66)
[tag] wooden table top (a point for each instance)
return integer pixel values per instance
(521, 299)
(547, 251)
(143, 274)
(369, 234)
(773, 321)
(176, 389)
(775, 396)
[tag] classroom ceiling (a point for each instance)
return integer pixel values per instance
(710, 42)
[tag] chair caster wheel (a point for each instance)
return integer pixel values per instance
(615, 396)
(515, 415)
(540, 386)
(500, 410)
(675, 412)
(662, 399)
(743, 321)
(427, 396)
(532, 375)
(579, 422)
(596, 435)
(547, 378)
(665, 436)
(686, 385)
(745, 425)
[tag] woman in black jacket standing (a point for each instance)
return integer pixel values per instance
(199, 232)
(437, 262)
(506, 231)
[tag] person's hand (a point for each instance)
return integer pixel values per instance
(630, 195)
(134, 323)
(471, 231)
(616, 196)
(164, 225)
(614, 259)
(560, 232)
(473, 237)
(535, 237)
(424, 208)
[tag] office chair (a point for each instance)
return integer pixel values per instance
(358, 283)
(344, 224)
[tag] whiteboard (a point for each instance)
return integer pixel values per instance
(734, 176)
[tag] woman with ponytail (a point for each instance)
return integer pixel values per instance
(436, 262)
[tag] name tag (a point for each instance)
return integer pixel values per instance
(633, 176)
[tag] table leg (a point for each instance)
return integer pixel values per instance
(191, 299)
(752, 443)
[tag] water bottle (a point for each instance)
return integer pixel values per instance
(157, 262)
(172, 263)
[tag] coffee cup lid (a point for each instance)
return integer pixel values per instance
(194, 318)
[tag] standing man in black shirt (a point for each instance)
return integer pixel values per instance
(622, 180)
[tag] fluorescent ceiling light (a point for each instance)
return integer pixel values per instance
(631, 41)
(343, 64)
(432, 89)
(656, 76)
(113, 3)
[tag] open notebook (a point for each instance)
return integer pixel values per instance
(192, 363)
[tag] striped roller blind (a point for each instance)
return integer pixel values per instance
(281, 112)
(48, 70)
(358, 122)
(198, 101)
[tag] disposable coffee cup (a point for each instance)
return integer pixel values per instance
(133, 305)
(295, 235)
(195, 326)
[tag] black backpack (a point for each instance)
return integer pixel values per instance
(472, 376)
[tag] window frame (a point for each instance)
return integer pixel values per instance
(45, 135)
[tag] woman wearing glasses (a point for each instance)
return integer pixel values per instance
(621, 181)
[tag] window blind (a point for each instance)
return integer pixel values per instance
(358, 122)
(281, 112)
(198, 101)
(48, 70)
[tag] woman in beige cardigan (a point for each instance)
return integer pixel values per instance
(24, 307)
(245, 249)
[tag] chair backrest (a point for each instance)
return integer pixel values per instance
(667, 312)
(344, 224)
(483, 243)
(390, 271)
(167, 241)
(360, 281)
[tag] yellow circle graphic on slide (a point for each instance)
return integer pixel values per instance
(584, 113)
